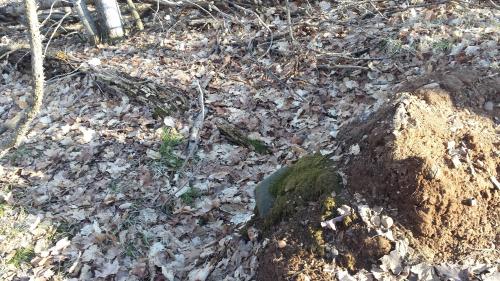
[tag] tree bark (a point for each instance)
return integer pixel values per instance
(110, 19)
(83, 12)
(38, 80)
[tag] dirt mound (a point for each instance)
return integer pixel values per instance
(431, 157)
(429, 160)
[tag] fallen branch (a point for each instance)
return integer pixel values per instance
(289, 20)
(194, 139)
(163, 100)
(342, 66)
(237, 136)
(194, 136)
(135, 15)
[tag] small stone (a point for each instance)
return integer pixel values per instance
(298, 139)
(375, 220)
(335, 252)
(169, 122)
(344, 210)
(354, 149)
(471, 202)
(281, 244)
(39, 200)
(488, 106)
(495, 182)
(456, 161)
(433, 172)
(45, 120)
(387, 222)
(125, 206)
(252, 233)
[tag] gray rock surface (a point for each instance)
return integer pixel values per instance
(264, 200)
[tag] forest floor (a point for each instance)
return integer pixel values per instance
(104, 189)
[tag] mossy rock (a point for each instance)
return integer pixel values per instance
(311, 179)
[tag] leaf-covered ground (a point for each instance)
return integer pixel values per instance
(102, 189)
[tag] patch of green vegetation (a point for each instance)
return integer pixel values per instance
(310, 179)
(145, 239)
(347, 221)
(393, 46)
(397, 47)
(131, 250)
(22, 255)
(18, 154)
(113, 186)
(63, 229)
(259, 146)
(3, 208)
(441, 46)
(131, 219)
(170, 138)
(190, 196)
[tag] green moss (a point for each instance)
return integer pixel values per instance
(190, 196)
(259, 146)
(310, 179)
(21, 256)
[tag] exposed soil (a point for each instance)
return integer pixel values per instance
(407, 165)
(429, 157)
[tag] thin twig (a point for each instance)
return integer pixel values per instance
(50, 13)
(262, 22)
(135, 15)
(194, 136)
(342, 66)
(495, 5)
(289, 19)
(54, 32)
(201, 8)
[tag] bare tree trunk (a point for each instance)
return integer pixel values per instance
(38, 80)
(87, 21)
(135, 15)
(110, 19)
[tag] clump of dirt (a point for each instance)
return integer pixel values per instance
(431, 156)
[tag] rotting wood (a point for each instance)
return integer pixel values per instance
(164, 100)
(238, 137)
